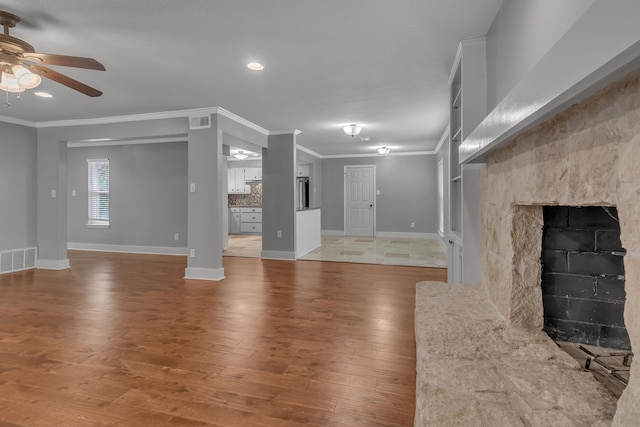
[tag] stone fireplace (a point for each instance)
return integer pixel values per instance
(589, 155)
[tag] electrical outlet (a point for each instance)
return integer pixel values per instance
(192, 187)
(176, 236)
(279, 234)
(73, 192)
(192, 253)
(53, 194)
(413, 225)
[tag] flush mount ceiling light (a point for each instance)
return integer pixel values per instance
(240, 155)
(43, 94)
(255, 66)
(383, 150)
(352, 129)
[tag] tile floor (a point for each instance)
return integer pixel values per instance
(369, 250)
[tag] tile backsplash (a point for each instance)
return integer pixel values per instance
(252, 199)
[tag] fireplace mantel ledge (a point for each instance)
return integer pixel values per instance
(472, 366)
(580, 63)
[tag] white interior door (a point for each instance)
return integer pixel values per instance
(359, 200)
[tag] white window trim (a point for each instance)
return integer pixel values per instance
(93, 223)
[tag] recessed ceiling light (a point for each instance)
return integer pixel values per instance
(255, 66)
(43, 94)
(365, 138)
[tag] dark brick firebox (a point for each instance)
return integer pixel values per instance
(583, 276)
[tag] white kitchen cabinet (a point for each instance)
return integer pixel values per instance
(234, 220)
(236, 181)
(303, 171)
(245, 220)
(253, 174)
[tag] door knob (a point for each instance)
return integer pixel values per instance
(371, 205)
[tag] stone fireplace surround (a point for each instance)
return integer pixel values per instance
(588, 155)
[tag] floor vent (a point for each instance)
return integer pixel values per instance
(17, 260)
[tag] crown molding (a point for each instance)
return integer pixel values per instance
(242, 121)
(20, 122)
(443, 138)
(157, 140)
(306, 150)
(129, 118)
(285, 132)
(193, 112)
(391, 154)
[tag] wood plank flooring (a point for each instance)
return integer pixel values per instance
(123, 340)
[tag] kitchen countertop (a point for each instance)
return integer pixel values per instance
(306, 209)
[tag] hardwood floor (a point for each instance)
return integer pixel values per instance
(123, 340)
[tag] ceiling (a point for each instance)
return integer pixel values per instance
(379, 63)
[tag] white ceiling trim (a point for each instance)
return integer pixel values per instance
(74, 144)
(308, 151)
(443, 138)
(285, 132)
(18, 121)
(391, 154)
(242, 121)
(146, 116)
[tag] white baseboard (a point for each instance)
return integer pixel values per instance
(407, 235)
(332, 233)
(53, 264)
(281, 255)
(204, 273)
(152, 250)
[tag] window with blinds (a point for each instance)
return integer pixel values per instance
(98, 172)
(441, 197)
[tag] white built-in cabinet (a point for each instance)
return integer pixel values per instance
(467, 84)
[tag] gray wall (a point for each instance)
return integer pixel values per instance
(408, 188)
(278, 196)
(520, 35)
(148, 194)
(18, 186)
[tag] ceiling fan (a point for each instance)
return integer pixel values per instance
(19, 62)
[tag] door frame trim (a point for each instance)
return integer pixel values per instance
(375, 197)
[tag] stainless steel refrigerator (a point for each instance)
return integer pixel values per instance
(302, 199)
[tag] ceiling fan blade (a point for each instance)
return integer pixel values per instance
(63, 80)
(67, 61)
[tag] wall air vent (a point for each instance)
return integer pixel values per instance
(17, 260)
(202, 122)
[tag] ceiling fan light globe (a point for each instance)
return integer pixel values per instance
(10, 83)
(26, 79)
(383, 151)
